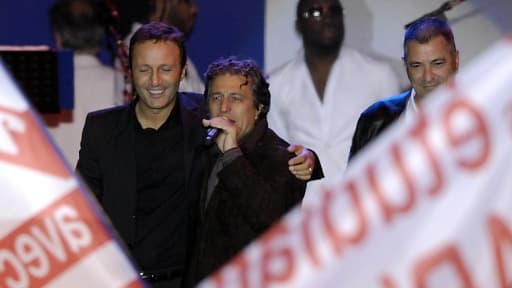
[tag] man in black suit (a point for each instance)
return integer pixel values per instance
(140, 160)
(430, 59)
(137, 158)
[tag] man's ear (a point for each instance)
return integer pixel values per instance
(260, 108)
(183, 72)
(404, 62)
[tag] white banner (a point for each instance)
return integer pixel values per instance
(51, 233)
(429, 204)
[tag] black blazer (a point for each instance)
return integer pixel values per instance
(107, 161)
(376, 119)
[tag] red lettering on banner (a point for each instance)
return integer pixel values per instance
(501, 238)
(507, 111)
(239, 263)
(277, 263)
(458, 137)
(419, 132)
(388, 209)
(244, 266)
(216, 278)
(23, 143)
(403, 172)
(307, 236)
(135, 284)
(446, 256)
(50, 242)
(387, 282)
(340, 239)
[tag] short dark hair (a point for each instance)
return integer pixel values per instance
(248, 69)
(156, 32)
(79, 24)
(423, 30)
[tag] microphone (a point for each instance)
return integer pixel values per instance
(211, 134)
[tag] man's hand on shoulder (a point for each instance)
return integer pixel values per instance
(303, 164)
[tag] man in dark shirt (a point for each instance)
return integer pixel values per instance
(430, 59)
(138, 159)
(249, 186)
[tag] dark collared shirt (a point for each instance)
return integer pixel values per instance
(161, 210)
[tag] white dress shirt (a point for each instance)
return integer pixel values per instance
(299, 116)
